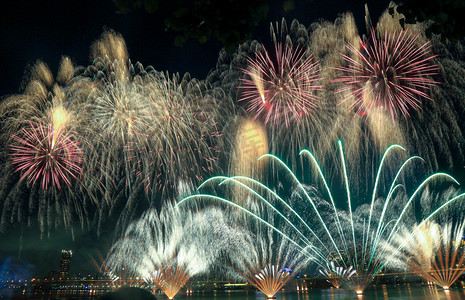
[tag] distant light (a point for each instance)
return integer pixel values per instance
(287, 269)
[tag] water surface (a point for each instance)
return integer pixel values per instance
(378, 293)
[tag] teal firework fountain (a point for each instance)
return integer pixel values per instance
(345, 234)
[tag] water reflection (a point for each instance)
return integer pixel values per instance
(384, 292)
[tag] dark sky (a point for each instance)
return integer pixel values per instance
(32, 30)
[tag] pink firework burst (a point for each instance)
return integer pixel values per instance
(392, 70)
(52, 157)
(281, 89)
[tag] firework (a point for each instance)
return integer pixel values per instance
(268, 278)
(148, 128)
(46, 154)
(251, 143)
(152, 249)
(282, 88)
(337, 275)
(168, 248)
(351, 237)
(188, 122)
(432, 251)
(137, 129)
(267, 260)
(43, 99)
(39, 126)
(141, 130)
(369, 129)
(389, 74)
(117, 116)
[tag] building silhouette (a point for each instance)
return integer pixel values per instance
(65, 262)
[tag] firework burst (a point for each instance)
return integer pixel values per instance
(281, 88)
(388, 73)
(47, 155)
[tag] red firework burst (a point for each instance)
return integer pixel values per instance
(282, 88)
(393, 70)
(45, 154)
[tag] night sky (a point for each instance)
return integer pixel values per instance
(32, 30)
